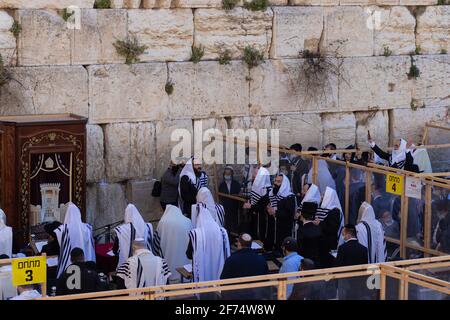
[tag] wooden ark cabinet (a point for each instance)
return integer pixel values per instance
(42, 168)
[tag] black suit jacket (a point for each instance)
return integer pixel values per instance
(312, 243)
(351, 253)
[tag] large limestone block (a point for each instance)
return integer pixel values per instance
(127, 93)
(314, 2)
(45, 4)
(131, 4)
(168, 34)
(44, 39)
(139, 193)
(296, 29)
(433, 29)
(339, 128)
(142, 149)
(7, 39)
(217, 30)
(304, 128)
(347, 31)
(197, 3)
(431, 88)
(150, 4)
(377, 122)
(208, 89)
(117, 4)
(418, 2)
(164, 144)
(93, 43)
(105, 203)
(396, 31)
(280, 86)
(95, 153)
(374, 83)
(410, 124)
(45, 90)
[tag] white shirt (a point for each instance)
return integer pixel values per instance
(28, 295)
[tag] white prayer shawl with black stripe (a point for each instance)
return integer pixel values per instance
(324, 177)
(202, 181)
(73, 234)
(422, 160)
(283, 192)
(370, 234)
(312, 195)
(260, 185)
(144, 269)
(5, 236)
(331, 201)
(398, 157)
(210, 245)
(172, 238)
(217, 211)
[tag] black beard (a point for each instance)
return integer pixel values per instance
(197, 172)
(174, 169)
(275, 190)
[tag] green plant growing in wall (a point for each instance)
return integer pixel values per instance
(256, 5)
(414, 71)
(130, 49)
(16, 29)
(387, 52)
(443, 51)
(252, 57)
(441, 2)
(229, 4)
(197, 53)
(169, 87)
(66, 15)
(102, 4)
(225, 57)
(418, 50)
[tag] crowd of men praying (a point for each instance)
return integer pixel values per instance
(298, 222)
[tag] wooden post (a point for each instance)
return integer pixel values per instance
(401, 289)
(44, 284)
(216, 183)
(368, 187)
(405, 288)
(281, 289)
(382, 285)
(347, 191)
(427, 218)
(315, 169)
(403, 224)
(425, 135)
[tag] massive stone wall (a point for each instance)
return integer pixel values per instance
(366, 44)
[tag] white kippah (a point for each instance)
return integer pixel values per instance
(246, 237)
(139, 240)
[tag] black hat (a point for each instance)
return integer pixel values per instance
(309, 210)
(290, 244)
(50, 228)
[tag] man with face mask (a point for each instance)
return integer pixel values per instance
(230, 186)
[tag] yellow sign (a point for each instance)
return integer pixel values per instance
(394, 184)
(29, 271)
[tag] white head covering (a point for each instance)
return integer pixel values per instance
(210, 247)
(133, 216)
(324, 177)
(205, 196)
(422, 160)
(5, 236)
(312, 195)
(283, 192)
(74, 234)
(260, 185)
(188, 170)
(172, 238)
(370, 234)
(399, 155)
(331, 201)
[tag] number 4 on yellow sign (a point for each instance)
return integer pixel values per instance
(394, 184)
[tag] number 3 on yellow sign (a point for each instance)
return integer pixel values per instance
(394, 184)
(29, 270)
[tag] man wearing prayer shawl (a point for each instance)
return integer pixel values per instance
(6, 237)
(281, 212)
(191, 180)
(422, 160)
(73, 234)
(399, 157)
(217, 212)
(133, 228)
(324, 177)
(313, 195)
(370, 234)
(208, 247)
(333, 222)
(172, 238)
(259, 199)
(143, 269)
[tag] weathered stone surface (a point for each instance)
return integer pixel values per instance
(339, 128)
(45, 90)
(95, 153)
(396, 31)
(45, 4)
(314, 2)
(129, 150)
(374, 83)
(117, 4)
(168, 34)
(93, 43)
(439, 157)
(7, 40)
(139, 193)
(347, 32)
(164, 143)
(280, 86)
(105, 203)
(301, 128)
(377, 122)
(356, 2)
(418, 2)
(208, 89)
(408, 124)
(216, 30)
(433, 29)
(197, 3)
(44, 39)
(127, 93)
(131, 4)
(296, 29)
(431, 88)
(150, 4)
